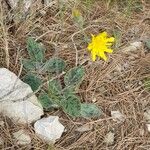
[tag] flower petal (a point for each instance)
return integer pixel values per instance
(102, 55)
(109, 50)
(93, 56)
(103, 34)
(111, 39)
(90, 46)
(99, 45)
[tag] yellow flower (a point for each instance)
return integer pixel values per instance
(76, 13)
(99, 45)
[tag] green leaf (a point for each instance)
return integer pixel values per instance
(74, 76)
(33, 66)
(33, 81)
(55, 65)
(35, 50)
(90, 110)
(55, 87)
(148, 43)
(46, 101)
(30, 65)
(55, 91)
(68, 91)
(72, 106)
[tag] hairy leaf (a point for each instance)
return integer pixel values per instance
(74, 76)
(72, 106)
(33, 81)
(68, 91)
(35, 50)
(46, 101)
(90, 110)
(55, 91)
(55, 65)
(30, 65)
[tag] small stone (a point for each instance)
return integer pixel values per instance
(117, 116)
(118, 68)
(109, 138)
(147, 115)
(94, 100)
(42, 12)
(148, 127)
(2, 123)
(84, 128)
(102, 89)
(133, 47)
(49, 129)
(140, 83)
(15, 3)
(48, 3)
(22, 137)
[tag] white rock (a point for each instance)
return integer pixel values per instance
(147, 115)
(22, 137)
(13, 91)
(148, 127)
(84, 128)
(21, 112)
(119, 68)
(15, 3)
(109, 138)
(133, 47)
(49, 129)
(27, 4)
(2, 123)
(48, 2)
(117, 116)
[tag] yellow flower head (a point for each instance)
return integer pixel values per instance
(99, 45)
(76, 13)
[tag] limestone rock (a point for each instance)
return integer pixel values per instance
(22, 137)
(25, 3)
(147, 115)
(109, 138)
(49, 129)
(12, 99)
(2, 123)
(148, 127)
(133, 47)
(85, 127)
(117, 116)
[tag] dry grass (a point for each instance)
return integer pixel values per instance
(112, 89)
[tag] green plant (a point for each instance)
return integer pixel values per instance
(57, 93)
